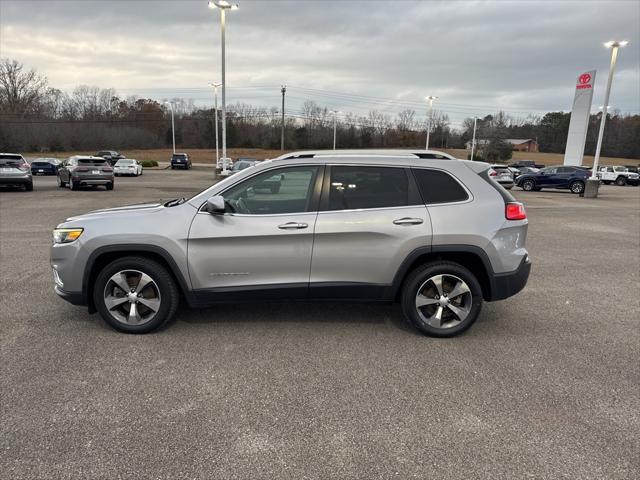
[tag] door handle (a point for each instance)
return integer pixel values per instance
(292, 226)
(408, 221)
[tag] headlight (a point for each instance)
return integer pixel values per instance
(66, 235)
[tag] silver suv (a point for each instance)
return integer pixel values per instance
(436, 235)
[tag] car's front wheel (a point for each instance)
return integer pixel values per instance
(621, 181)
(135, 295)
(528, 185)
(577, 187)
(442, 299)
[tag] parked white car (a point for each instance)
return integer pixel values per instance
(619, 175)
(127, 166)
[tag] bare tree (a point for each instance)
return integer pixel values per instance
(21, 91)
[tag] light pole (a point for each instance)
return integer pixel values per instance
(473, 142)
(223, 6)
(215, 108)
(173, 126)
(614, 46)
(431, 98)
(335, 116)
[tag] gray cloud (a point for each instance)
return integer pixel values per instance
(476, 56)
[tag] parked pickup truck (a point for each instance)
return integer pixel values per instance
(619, 175)
(526, 163)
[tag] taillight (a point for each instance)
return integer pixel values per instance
(81, 169)
(107, 169)
(24, 167)
(493, 173)
(515, 211)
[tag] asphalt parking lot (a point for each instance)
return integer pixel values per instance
(544, 385)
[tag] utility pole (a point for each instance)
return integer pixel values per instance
(431, 98)
(215, 109)
(173, 127)
(335, 115)
(283, 90)
(473, 142)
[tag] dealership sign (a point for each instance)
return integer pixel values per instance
(579, 118)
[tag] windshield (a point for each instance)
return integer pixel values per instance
(178, 157)
(124, 162)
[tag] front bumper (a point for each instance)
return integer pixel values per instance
(505, 285)
(74, 298)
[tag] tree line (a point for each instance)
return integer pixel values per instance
(37, 117)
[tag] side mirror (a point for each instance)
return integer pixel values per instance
(215, 205)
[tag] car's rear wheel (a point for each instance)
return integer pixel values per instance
(442, 299)
(61, 184)
(109, 186)
(73, 185)
(621, 181)
(135, 295)
(28, 187)
(528, 185)
(577, 187)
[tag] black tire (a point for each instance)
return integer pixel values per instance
(621, 181)
(72, 184)
(168, 292)
(28, 187)
(577, 187)
(109, 186)
(528, 185)
(61, 184)
(422, 274)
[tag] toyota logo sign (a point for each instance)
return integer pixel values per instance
(585, 78)
(584, 81)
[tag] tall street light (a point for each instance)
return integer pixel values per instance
(335, 120)
(215, 108)
(430, 98)
(223, 6)
(614, 46)
(173, 126)
(473, 142)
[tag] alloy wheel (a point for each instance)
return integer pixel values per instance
(444, 301)
(132, 297)
(577, 187)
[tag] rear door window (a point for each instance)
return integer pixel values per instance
(355, 187)
(437, 186)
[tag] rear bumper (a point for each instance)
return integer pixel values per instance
(97, 180)
(505, 285)
(18, 181)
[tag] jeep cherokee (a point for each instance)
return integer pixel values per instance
(439, 236)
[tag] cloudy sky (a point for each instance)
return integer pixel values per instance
(477, 56)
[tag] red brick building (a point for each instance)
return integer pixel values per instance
(524, 144)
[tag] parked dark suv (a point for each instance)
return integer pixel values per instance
(111, 156)
(573, 178)
(80, 171)
(180, 160)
